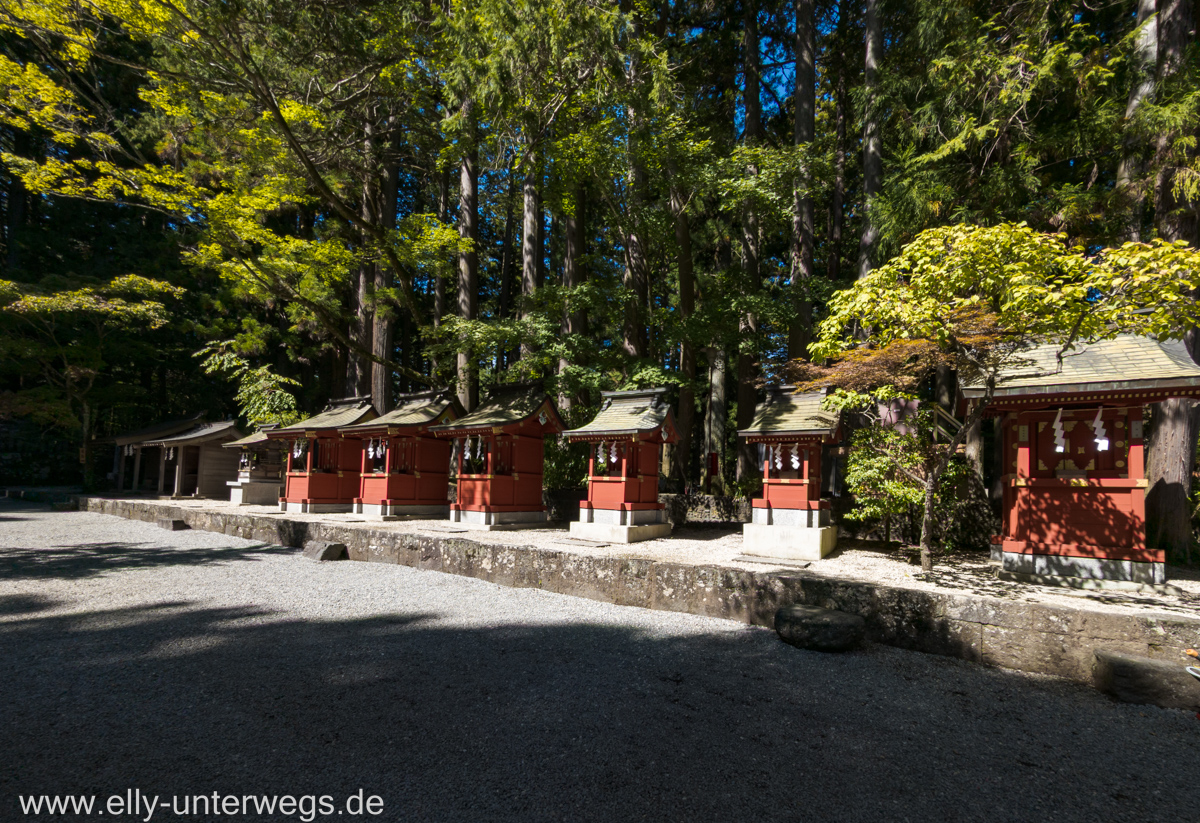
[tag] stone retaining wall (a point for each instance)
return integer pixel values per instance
(1028, 636)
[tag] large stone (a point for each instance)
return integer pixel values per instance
(788, 542)
(171, 524)
(321, 551)
(608, 533)
(1134, 679)
(822, 630)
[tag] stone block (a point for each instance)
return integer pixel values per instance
(498, 521)
(1134, 679)
(321, 551)
(619, 517)
(783, 543)
(607, 533)
(171, 524)
(253, 492)
(791, 518)
(822, 630)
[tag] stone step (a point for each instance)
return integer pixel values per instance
(822, 630)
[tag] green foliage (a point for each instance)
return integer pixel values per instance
(1030, 286)
(262, 395)
(887, 472)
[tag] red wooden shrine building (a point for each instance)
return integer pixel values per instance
(1073, 462)
(790, 520)
(405, 469)
(322, 466)
(500, 457)
(626, 440)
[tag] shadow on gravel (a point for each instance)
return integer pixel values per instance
(14, 604)
(88, 559)
(976, 577)
(570, 721)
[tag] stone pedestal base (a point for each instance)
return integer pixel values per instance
(788, 542)
(397, 512)
(498, 521)
(253, 492)
(314, 508)
(608, 533)
(1083, 569)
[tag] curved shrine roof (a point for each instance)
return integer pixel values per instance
(337, 414)
(165, 429)
(413, 410)
(628, 412)
(1125, 363)
(506, 404)
(785, 412)
(201, 434)
(256, 439)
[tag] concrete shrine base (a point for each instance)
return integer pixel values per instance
(498, 521)
(288, 507)
(383, 511)
(620, 525)
(610, 533)
(788, 542)
(253, 492)
(1083, 572)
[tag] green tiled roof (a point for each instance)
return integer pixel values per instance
(256, 439)
(1127, 362)
(335, 416)
(786, 412)
(412, 410)
(627, 412)
(200, 434)
(505, 404)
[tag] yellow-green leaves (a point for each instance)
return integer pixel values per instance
(1034, 285)
(123, 301)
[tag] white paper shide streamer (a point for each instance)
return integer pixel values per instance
(1101, 432)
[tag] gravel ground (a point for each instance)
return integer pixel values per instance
(722, 546)
(181, 663)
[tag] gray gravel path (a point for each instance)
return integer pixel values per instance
(186, 663)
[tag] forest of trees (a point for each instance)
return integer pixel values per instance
(376, 196)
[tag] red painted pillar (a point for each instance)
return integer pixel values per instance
(1024, 428)
(812, 473)
(1137, 472)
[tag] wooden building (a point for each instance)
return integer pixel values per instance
(405, 469)
(500, 457)
(625, 440)
(194, 462)
(136, 459)
(322, 472)
(1074, 505)
(259, 471)
(791, 521)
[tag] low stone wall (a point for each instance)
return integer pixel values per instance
(705, 508)
(1027, 636)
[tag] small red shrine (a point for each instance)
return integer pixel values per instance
(500, 457)
(322, 466)
(1074, 480)
(405, 469)
(626, 440)
(791, 521)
